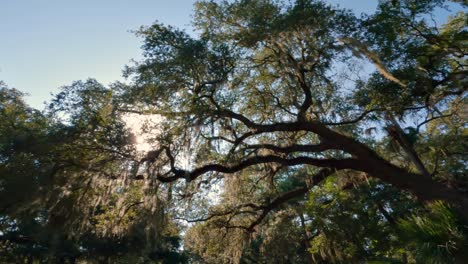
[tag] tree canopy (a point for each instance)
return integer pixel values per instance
(285, 132)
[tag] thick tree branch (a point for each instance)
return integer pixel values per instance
(292, 148)
(191, 175)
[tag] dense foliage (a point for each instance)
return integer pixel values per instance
(284, 132)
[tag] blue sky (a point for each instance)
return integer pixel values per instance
(49, 43)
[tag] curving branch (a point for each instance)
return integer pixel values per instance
(428, 120)
(292, 148)
(348, 163)
(235, 210)
(262, 211)
(364, 115)
(299, 74)
(355, 120)
(287, 196)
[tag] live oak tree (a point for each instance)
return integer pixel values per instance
(274, 101)
(258, 90)
(272, 92)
